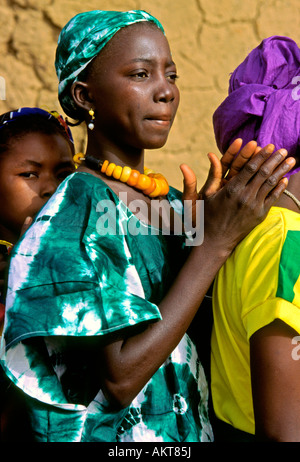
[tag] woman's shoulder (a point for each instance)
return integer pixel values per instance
(94, 185)
(82, 187)
(278, 221)
(86, 181)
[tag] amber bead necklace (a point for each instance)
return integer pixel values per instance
(149, 183)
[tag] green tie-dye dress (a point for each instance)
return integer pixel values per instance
(88, 267)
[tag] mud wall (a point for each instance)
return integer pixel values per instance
(208, 38)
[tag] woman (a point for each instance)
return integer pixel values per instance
(107, 297)
(256, 293)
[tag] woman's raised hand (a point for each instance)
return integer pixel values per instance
(244, 201)
(220, 172)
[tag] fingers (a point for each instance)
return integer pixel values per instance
(231, 163)
(215, 175)
(275, 184)
(260, 183)
(258, 148)
(189, 182)
(275, 194)
(230, 155)
(260, 166)
(247, 197)
(249, 150)
(272, 170)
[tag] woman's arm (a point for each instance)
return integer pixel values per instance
(275, 375)
(126, 365)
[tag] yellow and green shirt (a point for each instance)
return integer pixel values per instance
(260, 282)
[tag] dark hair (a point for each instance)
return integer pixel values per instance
(32, 123)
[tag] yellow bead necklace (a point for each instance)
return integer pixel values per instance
(150, 183)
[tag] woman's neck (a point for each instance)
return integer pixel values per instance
(105, 150)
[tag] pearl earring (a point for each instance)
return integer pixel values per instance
(91, 125)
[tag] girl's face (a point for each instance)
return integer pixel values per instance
(132, 84)
(30, 171)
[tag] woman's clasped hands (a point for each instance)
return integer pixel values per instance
(239, 191)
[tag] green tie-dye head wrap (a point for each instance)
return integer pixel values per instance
(82, 39)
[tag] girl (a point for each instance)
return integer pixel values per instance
(36, 155)
(36, 149)
(105, 295)
(255, 365)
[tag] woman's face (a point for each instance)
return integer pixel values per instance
(132, 84)
(30, 171)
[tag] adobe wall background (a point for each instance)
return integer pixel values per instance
(208, 38)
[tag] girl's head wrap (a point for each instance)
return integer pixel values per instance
(54, 116)
(82, 39)
(263, 102)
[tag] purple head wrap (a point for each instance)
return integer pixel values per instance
(263, 102)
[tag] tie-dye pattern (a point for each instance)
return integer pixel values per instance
(67, 284)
